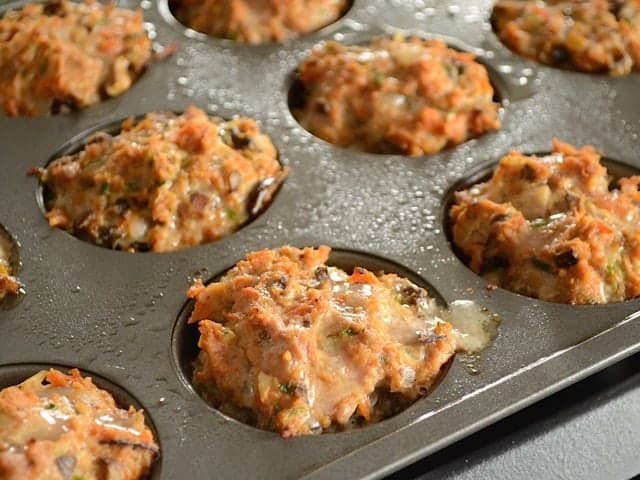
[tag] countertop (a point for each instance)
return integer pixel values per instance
(590, 430)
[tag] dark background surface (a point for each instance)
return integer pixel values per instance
(590, 430)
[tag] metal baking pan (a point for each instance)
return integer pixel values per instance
(114, 314)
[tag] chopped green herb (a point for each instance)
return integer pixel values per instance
(544, 221)
(614, 268)
(231, 214)
(296, 411)
(615, 286)
(132, 186)
(540, 222)
(378, 78)
(588, 204)
(50, 406)
(542, 265)
(95, 164)
(287, 388)
(614, 274)
(532, 21)
(133, 37)
(105, 189)
(451, 70)
(350, 332)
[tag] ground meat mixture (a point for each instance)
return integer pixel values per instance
(292, 345)
(550, 227)
(164, 183)
(597, 36)
(62, 427)
(257, 21)
(396, 95)
(62, 55)
(8, 283)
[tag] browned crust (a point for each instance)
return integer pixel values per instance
(396, 95)
(550, 228)
(594, 36)
(293, 346)
(64, 55)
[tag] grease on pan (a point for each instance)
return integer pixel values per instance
(55, 425)
(163, 183)
(396, 95)
(594, 36)
(262, 21)
(553, 227)
(64, 55)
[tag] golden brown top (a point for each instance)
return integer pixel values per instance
(57, 427)
(596, 36)
(550, 227)
(258, 21)
(293, 345)
(63, 54)
(163, 183)
(396, 95)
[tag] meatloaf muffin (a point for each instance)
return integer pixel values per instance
(550, 227)
(62, 55)
(396, 95)
(257, 21)
(292, 345)
(164, 183)
(8, 283)
(596, 36)
(60, 427)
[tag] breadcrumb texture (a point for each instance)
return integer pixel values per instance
(59, 427)
(164, 183)
(9, 285)
(258, 21)
(65, 55)
(594, 36)
(396, 95)
(553, 227)
(292, 345)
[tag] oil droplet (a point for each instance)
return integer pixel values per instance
(453, 10)
(475, 328)
(470, 363)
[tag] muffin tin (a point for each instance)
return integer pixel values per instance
(115, 314)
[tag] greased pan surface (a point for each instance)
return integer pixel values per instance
(113, 314)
